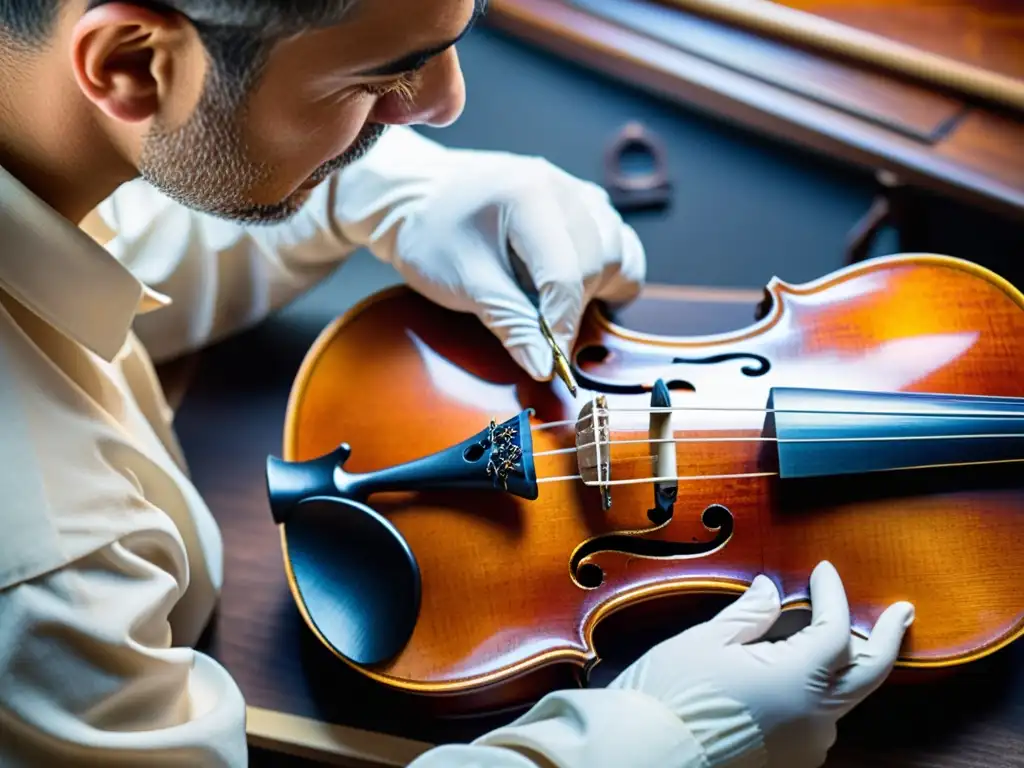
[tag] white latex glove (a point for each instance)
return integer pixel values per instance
(446, 219)
(772, 704)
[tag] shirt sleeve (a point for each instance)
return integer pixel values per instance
(88, 674)
(596, 728)
(223, 276)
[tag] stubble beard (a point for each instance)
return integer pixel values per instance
(204, 164)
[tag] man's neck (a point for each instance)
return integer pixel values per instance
(50, 140)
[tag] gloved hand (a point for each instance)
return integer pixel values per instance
(772, 704)
(448, 221)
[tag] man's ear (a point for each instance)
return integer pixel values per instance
(135, 63)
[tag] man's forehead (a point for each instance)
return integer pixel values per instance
(417, 56)
(387, 37)
(415, 13)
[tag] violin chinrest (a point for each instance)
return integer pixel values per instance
(359, 581)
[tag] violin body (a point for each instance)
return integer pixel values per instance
(496, 595)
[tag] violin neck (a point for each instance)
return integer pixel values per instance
(822, 432)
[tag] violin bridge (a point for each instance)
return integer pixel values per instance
(593, 448)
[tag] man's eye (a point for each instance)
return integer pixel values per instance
(404, 85)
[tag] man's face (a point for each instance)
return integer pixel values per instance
(322, 100)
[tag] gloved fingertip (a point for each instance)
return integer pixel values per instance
(537, 360)
(824, 570)
(886, 636)
(907, 609)
(749, 617)
(763, 591)
(828, 593)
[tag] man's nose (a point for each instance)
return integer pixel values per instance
(439, 98)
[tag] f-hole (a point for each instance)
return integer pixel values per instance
(716, 518)
(596, 354)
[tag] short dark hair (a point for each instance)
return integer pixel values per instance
(237, 34)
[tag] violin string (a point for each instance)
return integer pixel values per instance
(781, 440)
(554, 452)
(728, 409)
(552, 424)
(637, 480)
(742, 475)
(733, 409)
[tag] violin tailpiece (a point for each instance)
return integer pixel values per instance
(498, 457)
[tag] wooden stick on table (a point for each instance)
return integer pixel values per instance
(799, 26)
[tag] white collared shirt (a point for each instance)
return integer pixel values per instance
(110, 561)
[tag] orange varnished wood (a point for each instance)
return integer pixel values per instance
(990, 141)
(984, 33)
(399, 377)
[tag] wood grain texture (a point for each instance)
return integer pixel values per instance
(232, 416)
(812, 26)
(991, 143)
(988, 34)
(981, 167)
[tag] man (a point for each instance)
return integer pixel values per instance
(237, 151)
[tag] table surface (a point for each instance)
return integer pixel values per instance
(744, 211)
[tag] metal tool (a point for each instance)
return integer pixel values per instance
(561, 363)
(561, 366)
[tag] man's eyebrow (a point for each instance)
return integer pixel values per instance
(417, 59)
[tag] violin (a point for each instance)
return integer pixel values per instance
(456, 531)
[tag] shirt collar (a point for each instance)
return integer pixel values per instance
(65, 276)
